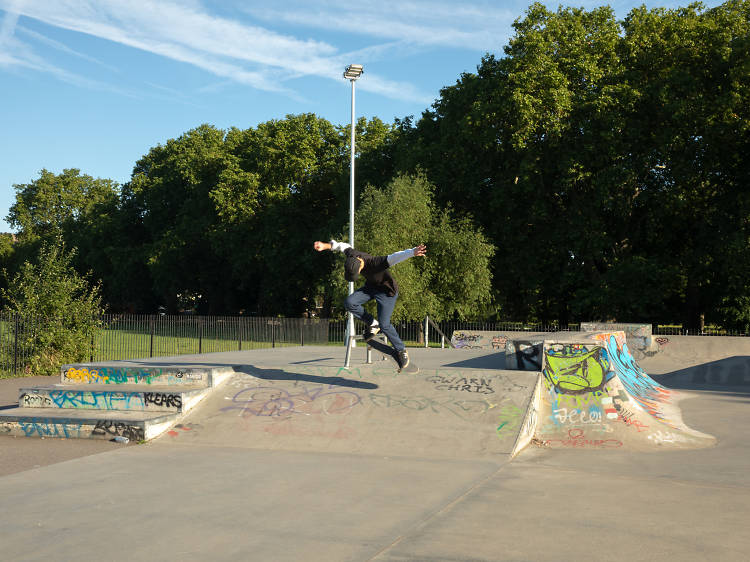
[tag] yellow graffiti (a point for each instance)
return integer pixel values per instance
(575, 373)
(84, 375)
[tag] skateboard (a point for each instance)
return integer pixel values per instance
(386, 349)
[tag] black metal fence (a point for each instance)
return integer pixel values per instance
(15, 329)
(129, 336)
(412, 333)
(124, 336)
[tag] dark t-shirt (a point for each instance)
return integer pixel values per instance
(375, 272)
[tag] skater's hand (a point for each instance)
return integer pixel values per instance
(320, 246)
(420, 250)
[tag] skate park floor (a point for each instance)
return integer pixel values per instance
(209, 490)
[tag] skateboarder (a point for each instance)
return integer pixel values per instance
(379, 285)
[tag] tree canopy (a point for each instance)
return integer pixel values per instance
(605, 160)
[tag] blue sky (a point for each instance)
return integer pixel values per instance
(94, 84)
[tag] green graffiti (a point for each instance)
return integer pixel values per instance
(576, 373)
(510, 419)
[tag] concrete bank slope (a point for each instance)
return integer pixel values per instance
(595, 395)
(314, 405)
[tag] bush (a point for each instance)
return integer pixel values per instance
(64, 307)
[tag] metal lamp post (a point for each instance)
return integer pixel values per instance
(352, 73)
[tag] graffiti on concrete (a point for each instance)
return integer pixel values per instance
(477, 385)
(509, 420)
(163, 399)
(465, 340)
(649, 394)
(577, 439)
(631, 330)
(107, 375)
(660, 437)
(278, 402)
(576, 416)
(575, 369)
(127, 375)
(119, 429)
(42, 427)
(81, 399)
(463, 409)
(183, 427)
(629, 419)
(499, 342)
(579, 401)
(35, 400)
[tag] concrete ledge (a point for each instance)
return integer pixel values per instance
(120, 372)
(105, 397)
(80, 424)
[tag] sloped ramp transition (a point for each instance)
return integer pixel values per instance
(367, 409)
(593, 394)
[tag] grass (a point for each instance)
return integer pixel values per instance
(114, 345)
(119, 344)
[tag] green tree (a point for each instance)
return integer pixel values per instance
(53, 203)
(607, 160)
(7, 259)
(689, 71)
(61, 307)
(79, 209)
(169, 198)
(454, 280)
(230, 215)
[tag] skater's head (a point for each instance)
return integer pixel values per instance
(352, 267)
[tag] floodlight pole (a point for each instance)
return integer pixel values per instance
(351, 73)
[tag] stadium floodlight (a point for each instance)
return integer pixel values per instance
(352, 72)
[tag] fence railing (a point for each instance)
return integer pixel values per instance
(127, 336)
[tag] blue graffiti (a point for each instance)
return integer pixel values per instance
(97, 400)
(40, 427)
(643, 389)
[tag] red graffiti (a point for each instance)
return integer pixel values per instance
(577, 439)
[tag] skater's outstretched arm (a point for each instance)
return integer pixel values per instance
(332, 245)
(398, 257)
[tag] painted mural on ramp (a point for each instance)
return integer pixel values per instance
(594, 395)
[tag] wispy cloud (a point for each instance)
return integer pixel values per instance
(185, 32)
(8, 26)
(16, 54)
(62, 47)
(478, 25)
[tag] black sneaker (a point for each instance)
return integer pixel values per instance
(370, 332)
(403, 358)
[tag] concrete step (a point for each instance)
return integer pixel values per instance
(131, 397)
(124, 372)
(84, 424)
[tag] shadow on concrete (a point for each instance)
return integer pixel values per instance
(491, 361)
(730, 375)
(165, 364)
(283, 375)
(270, 373)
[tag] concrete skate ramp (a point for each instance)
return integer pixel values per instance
(596, 396)
(369, 409)
(490, 340)
(719, 363)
